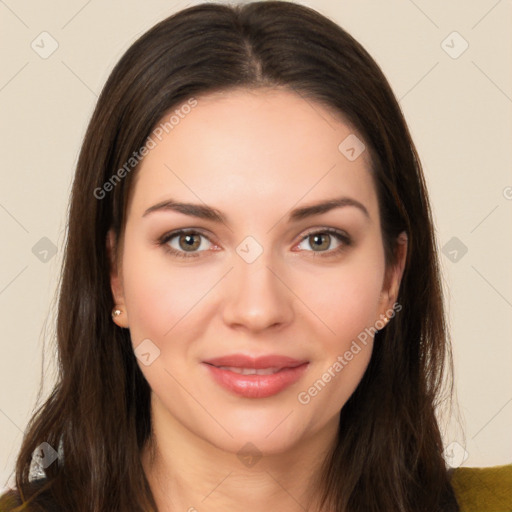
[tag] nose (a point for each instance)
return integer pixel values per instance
(257, 297)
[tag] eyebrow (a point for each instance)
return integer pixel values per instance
(208, 213)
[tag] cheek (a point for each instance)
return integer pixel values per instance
(350, 309)
(346, 299)
(158, 297)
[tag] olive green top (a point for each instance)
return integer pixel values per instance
(483, 489)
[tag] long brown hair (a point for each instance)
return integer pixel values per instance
(388, 455)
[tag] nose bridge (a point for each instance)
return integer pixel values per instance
(256, 297)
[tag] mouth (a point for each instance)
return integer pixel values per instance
(255, 377)
(250, 371)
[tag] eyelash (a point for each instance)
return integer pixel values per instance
(340, 235)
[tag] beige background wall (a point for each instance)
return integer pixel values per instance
(457, 101)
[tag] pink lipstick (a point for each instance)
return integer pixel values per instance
(256, 377)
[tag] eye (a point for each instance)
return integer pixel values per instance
(190, 243)
(185, 243)
(321, 241)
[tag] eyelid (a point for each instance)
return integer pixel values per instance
(324, 229)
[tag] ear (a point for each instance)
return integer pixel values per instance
(394, 274)
(116, 280)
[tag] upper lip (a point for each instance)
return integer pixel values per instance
(256, 362)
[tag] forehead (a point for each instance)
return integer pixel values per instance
(253, 149)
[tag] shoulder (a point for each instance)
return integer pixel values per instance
(483, 489)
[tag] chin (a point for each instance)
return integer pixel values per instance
(270, 429)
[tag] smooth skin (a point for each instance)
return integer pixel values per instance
(254, 156)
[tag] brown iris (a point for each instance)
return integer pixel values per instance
(187, 242)
(317, 240)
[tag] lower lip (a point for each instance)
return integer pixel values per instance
(257, 386)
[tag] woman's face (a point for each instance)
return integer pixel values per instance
(261, 282)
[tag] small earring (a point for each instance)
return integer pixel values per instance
(386, 321)
(115, 313)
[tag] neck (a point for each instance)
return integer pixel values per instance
(188, 473)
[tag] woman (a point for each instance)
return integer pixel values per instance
(209, 358)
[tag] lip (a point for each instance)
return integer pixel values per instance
(287, 371)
